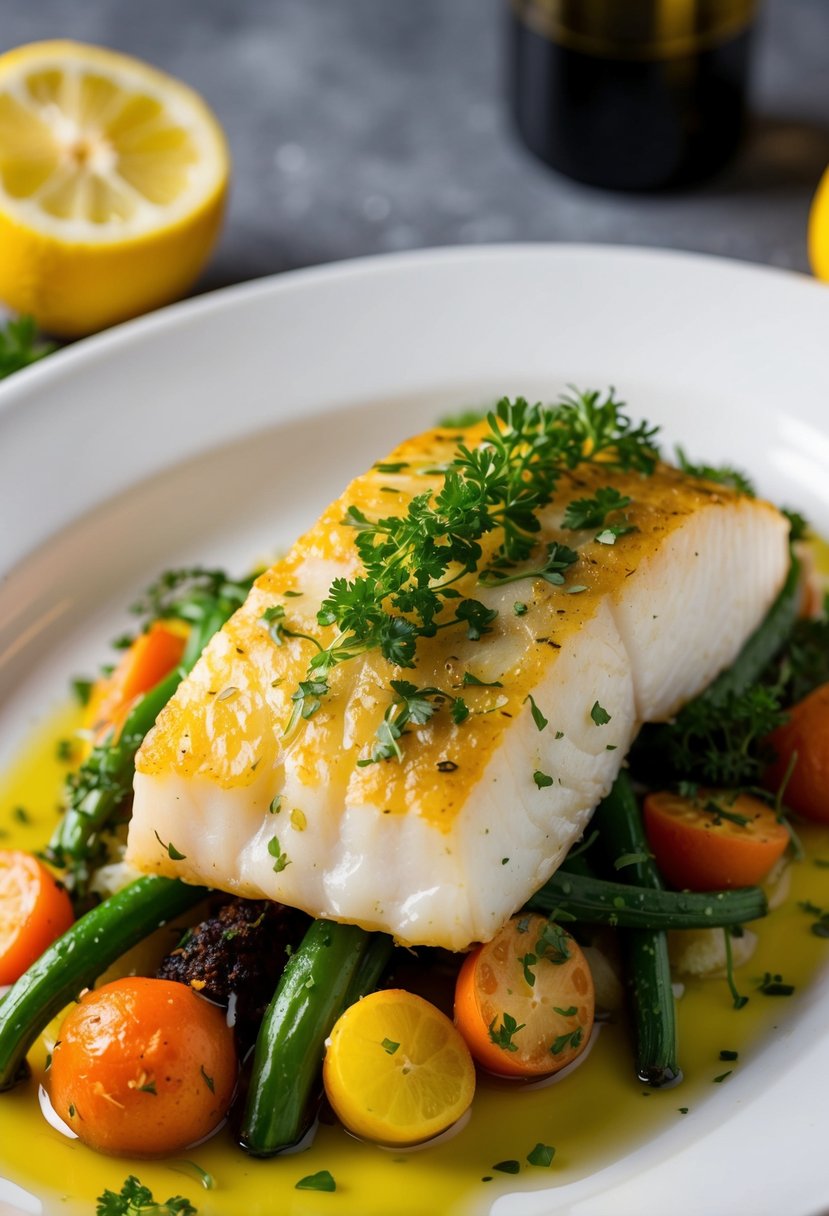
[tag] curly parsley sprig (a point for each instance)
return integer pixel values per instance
(20, 345)
(412, 561)
(134, 1199)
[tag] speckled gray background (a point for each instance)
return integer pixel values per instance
(362, 126)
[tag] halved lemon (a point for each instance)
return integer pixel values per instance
(113, 178)
(396, 1069)
(818, 237)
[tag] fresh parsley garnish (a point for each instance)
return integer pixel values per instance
(559, 558)
(541, 1155)
(389, 1046)
(21, 346)
(508, 1167)
(502, 1035)
(136, 1200)
(610, 534)
(553, 943)
(172, 852)
(593, 512)
(723, 474)
(599, 714)
(773, 985)
(81, 690)
(410, 705)
(538, 717)
(472, 681)
(528, 961)
(323, 1180)
(542, 780)
(738, 1000)
(280, 858)
(571, 1038)
(412, 562)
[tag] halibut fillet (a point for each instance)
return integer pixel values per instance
(439, 848)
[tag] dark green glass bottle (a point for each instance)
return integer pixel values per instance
(631, 94)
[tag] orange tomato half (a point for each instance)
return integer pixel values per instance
(524, 1002)
(714, 840)
(34, 910)
(803, 743)
(143, 1067)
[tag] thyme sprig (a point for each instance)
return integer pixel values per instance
(412, 562)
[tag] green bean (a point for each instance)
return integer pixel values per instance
(76, 959)
(647, 970)
(333, 966)
(597, 901)
(104, 781)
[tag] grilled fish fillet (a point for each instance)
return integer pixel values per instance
(439, 848)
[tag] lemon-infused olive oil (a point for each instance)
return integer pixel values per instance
(591, 1116)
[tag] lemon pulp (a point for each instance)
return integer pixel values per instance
(104, 162)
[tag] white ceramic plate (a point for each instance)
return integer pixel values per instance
(215, 430)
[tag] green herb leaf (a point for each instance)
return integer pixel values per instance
(773, 985)
(571, 1039)
(610, 534)
(542, 780)
(508, 1167)
(559, 558)
(474, 682)
(281, 859)
(723, 475)
(81, 690)
(390, 1046)
(20, 346)
(630, 859)
(593, 512)
(538, 717)
(541, 1155)
(502, 1035)
(172, 851)
(323, 1180)
(528, 961)
(136, 1200)
(553, 943)
(406, 591)
(599, 715)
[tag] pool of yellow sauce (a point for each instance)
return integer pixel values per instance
(592, 1117)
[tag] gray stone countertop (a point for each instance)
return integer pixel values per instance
(364, 126)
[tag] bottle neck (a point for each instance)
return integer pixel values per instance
(637, 29)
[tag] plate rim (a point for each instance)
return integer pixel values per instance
(86, 353)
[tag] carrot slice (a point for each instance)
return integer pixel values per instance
(524, 1002)
(149, 659)
(34, 910)
(715, 840)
